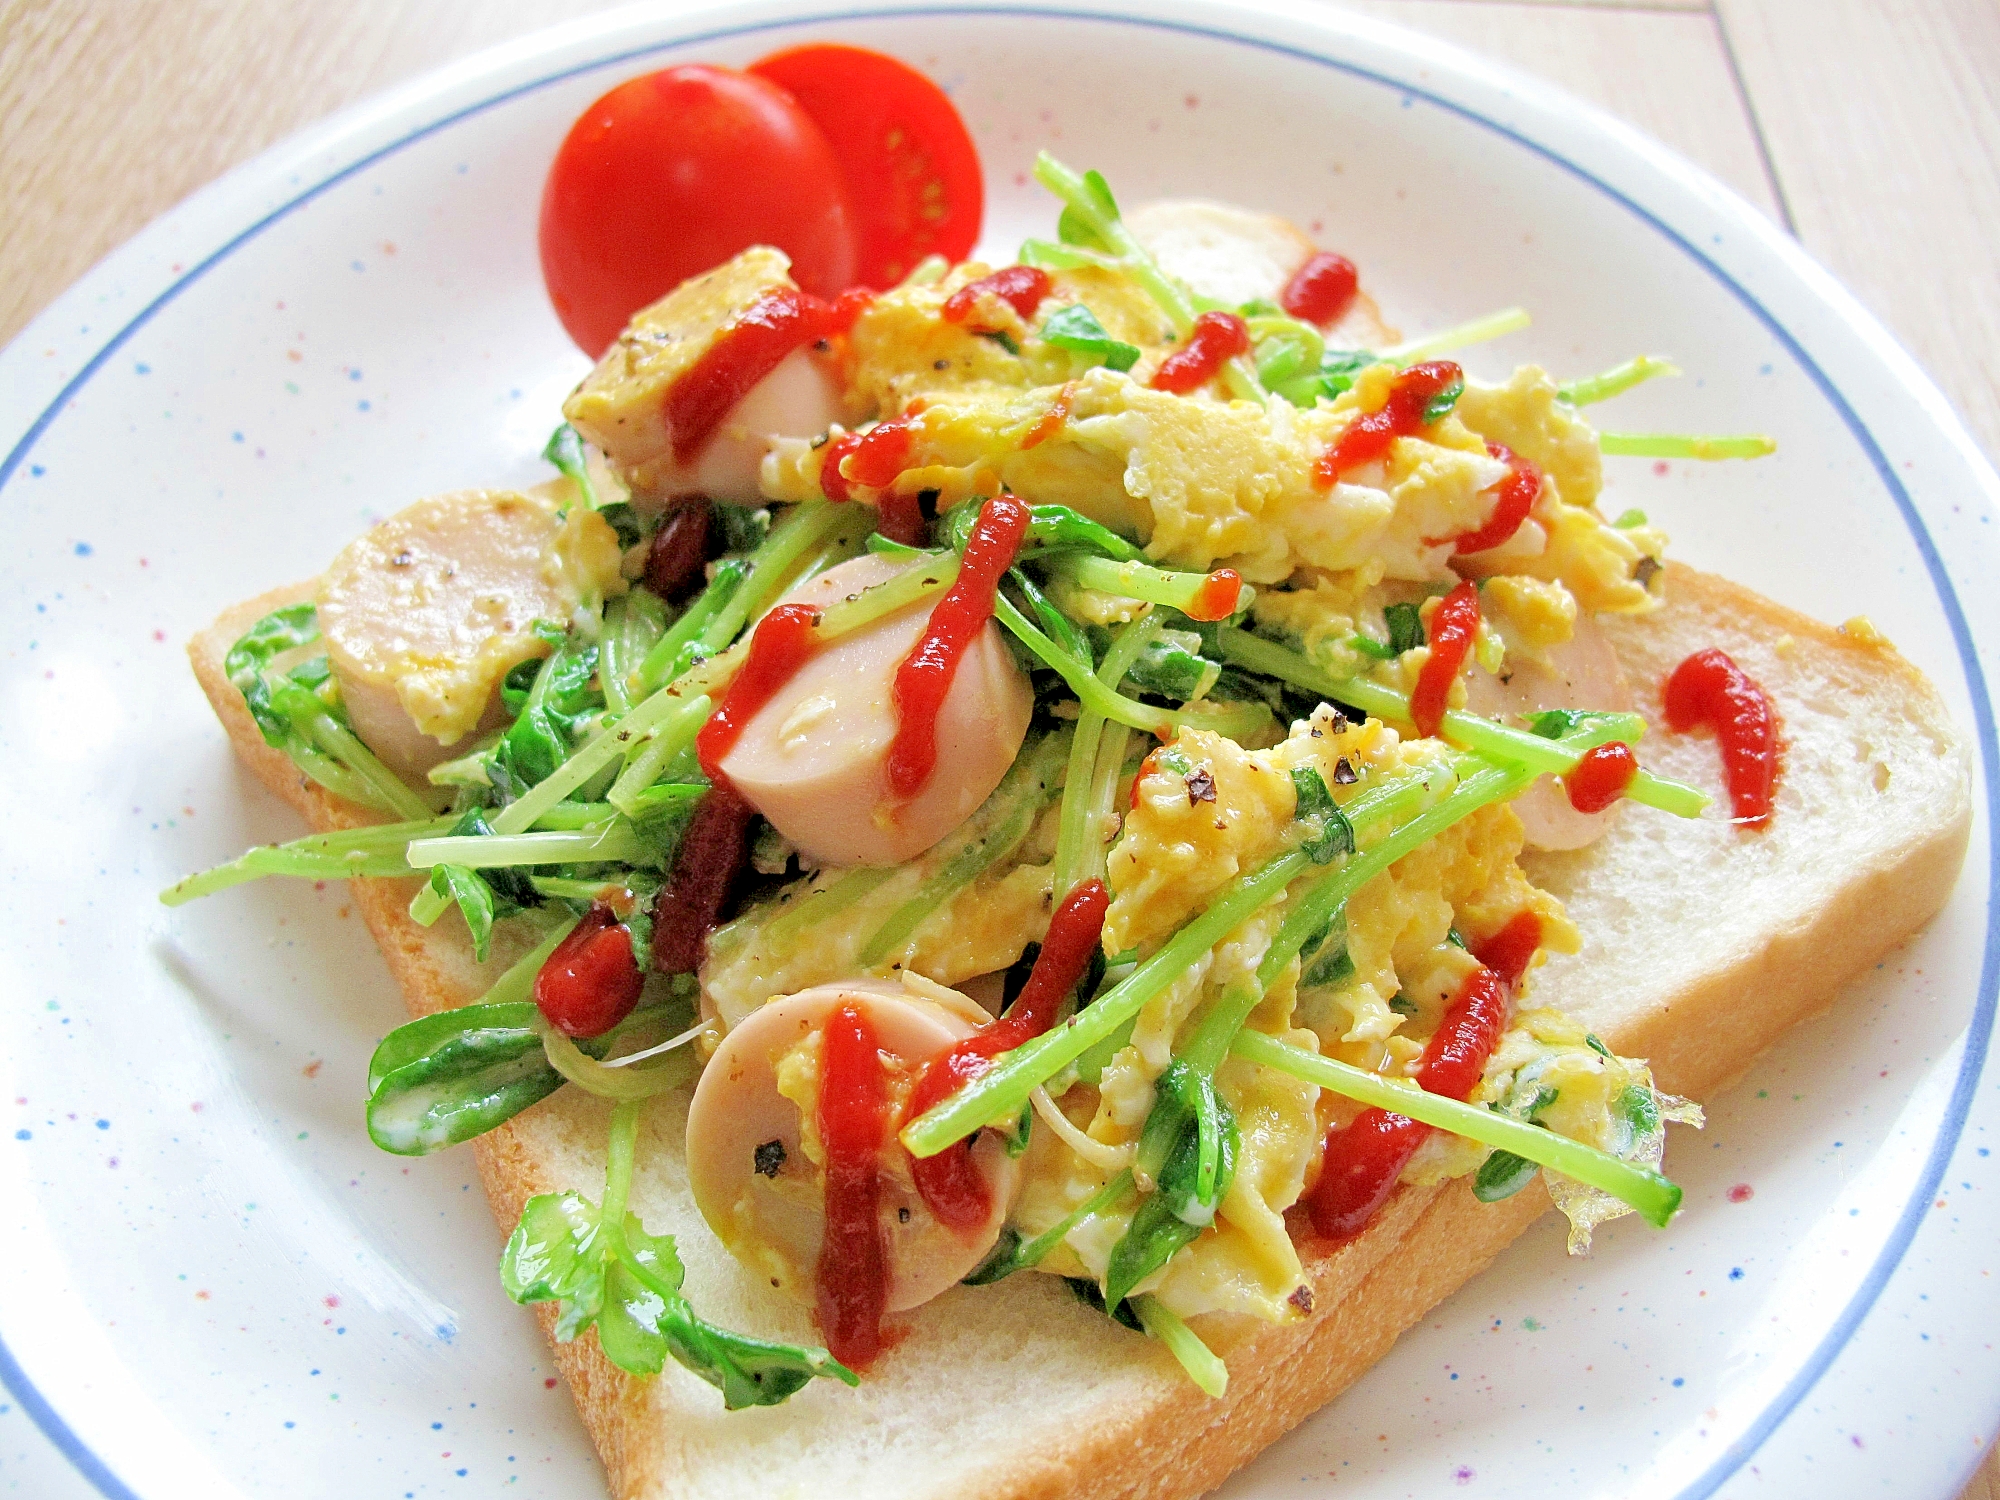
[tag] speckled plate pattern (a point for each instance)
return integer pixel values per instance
(210, 1283)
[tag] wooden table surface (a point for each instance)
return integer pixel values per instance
(1867, 129)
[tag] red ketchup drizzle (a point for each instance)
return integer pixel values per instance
(853, 1271)
(1709, 688)
(847, 307)
(749, 349)
(783, 643)
(1050, 422)
(1453, 625)
(873, 459)
(1363, 1161)
(1510, 950)
(589, 983)
(1601, 776)
(1218, 596)
(948, 1181)
(926, 674)
(1215, 339)
(1020, 287)
(713, 854)
(1321, 289)
(1368, 436)
(1510, 507)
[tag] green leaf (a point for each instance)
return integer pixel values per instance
(1062, 630)
(1590, 1040)
(625, 522)
(1076, 328)
(1406, 628)
(1156, 1235)
(1628, 519)
(564, 449)
(1639, 1109)
(555, 1254)
(455, 1075)
(1329, 835)
(744, 527)
(1442, 403)
(1004, 339)
(474, 899)
(1367, 645)
(281, 630)
(1335, 966)
(1171, 666)
(1554, 723)
(1502, 1175)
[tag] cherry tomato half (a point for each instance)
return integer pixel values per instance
(673, 173)
(912, 171)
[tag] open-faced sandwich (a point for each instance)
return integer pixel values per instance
(1023, 869)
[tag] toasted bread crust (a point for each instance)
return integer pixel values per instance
(1147, 1432)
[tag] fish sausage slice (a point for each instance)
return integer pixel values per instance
(760, 1191)
(814, 759)
(426, 612)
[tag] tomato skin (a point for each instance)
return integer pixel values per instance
(911, 169)
(590, 983)
(671, 174)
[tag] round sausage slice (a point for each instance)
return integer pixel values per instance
(814, 759)
(752, 1141)
(426, 612)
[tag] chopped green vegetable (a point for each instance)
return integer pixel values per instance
(1478, 331)
(1502, 1175)
(564, 449)
(1076, 328)
(1203, 1367)
(1330, 836)
(451, 1076)
(1629, 519)
(601, 1267)
(1406, 628)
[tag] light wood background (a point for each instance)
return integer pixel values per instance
(1866, 127)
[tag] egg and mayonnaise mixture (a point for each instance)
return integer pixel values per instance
(1205, 746)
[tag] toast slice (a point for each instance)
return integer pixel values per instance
(1018, 1390)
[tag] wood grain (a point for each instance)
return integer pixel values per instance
(1870, 129)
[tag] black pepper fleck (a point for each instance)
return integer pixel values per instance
(940, 364)
(1344, 773)
(401, 559)
(769, 1159)
(1200, 786)
(1644, 570)
(902, 1216)
(1302, 1298)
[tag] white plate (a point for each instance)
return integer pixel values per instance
(211, 1285)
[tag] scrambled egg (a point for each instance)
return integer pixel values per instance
(1203, 482)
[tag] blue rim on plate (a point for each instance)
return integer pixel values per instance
(1980, 1030)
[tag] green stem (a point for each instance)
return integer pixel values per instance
(674, 736)
(618, 1156)
(1616, 381)
(1033, 1252)
(1685, 445)
(374, 850)
(1079, 838)
(830, 900)
(1641, 1187)
(999, 1093)
(518, 983)
(1494, 740)
(617, 841)
(1137, 262)
(1203, 1366)
(340, 742)
(1478, 331)
(1135, 580)
(1236, 720)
